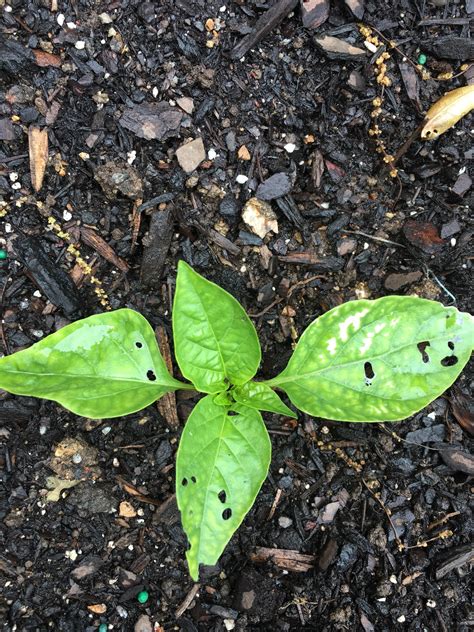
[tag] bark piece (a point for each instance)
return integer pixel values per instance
(283, 558)
(7, 129)
(456, 558)
(423, 235)
(167, 404)
(157, 244)
(266, 23)
(356, 7)
(458, 460)
(44, 59)
(38, 151)
(52, 280)
(94, 240)
(274, 187)
(452, 47)
(396, 281)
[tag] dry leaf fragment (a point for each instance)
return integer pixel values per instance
(38, 149)
(446, 112)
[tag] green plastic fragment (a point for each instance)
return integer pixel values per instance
(3, 254)
(103, 627)
(422, 59)
(143, 596)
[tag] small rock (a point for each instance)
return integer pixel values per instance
(396, 281)
(336, 48)
(241, 179)
(274, 187)
(7, 130)
(462, 184)
(356, 7)
(119, 177)
(314, 12)
(450, 229)
(285, 522)
(127, 510)
(243, 153)
(186, 104)
(229, 206)
(356, 81)
(427, 435)
(346, 246)
(158, 121)
(259, 217)
(88, 567)
(190, 155)
(143, 624)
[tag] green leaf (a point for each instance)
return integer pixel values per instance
(379, 360)
(103, 366)
(260, 396)
(222, 461)
(215, 341)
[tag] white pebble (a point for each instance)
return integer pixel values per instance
(229, 624)
(290, 148)
(60, 19)
(155, 92)
(105, 18)
(401, 618)
(285, 522)
(223, 9)
(67, 216)
(241, 179)
(393, 579)
(80, 45)
(72, 555)
(106, 430)
(13, 176)
(71, 25)
(8, 228)
(131, 155)
(8, 9)
(431, 603)
(16, 186)
(211, 154)
(453, 241)
(431, 416)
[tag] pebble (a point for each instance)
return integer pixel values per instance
(80, 45)
(241, 179)
(290, 148)
(260, 217)
(285, 522)
(186, 104)
(190, 155)
(143, 624)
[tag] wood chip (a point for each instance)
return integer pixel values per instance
(94, 240)
(284, 558)
(38, 150)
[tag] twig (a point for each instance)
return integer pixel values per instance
(294, 287)
(400, 544)
(381, 239)
(271, 513)
(2, 329)
(187, 600)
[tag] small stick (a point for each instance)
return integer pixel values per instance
(167, 404)
(187, 600)
(381, 239)
(278, 494)
(294, 287)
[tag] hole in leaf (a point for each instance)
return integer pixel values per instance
(368, 370)
(422, 349)
(227, 513)
(232, 413)
(139, 345)
(151, 375)
(449, 360)
(184, 482)
(193, 478)
(222, 496)
(451, 345)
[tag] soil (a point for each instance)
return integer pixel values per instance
(381, 512)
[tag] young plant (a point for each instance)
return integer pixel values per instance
(380, 360)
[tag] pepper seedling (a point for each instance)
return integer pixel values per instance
(366, 361)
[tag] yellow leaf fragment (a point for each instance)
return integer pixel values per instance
(38, 150)
(447, 112)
